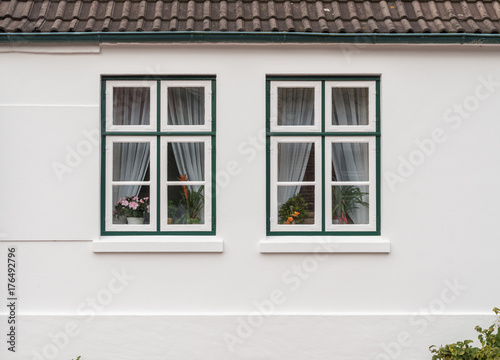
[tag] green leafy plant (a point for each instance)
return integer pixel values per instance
(293, 210)
(191, 203)
(345, 199)
(461, 350)
(172, 209)
(78, 358)
(191, 206)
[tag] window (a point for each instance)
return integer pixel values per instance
(323, 156)
(158, 138)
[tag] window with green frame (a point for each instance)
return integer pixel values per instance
(323, 156)
(158, 155)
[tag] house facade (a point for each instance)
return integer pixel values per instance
(313, 180)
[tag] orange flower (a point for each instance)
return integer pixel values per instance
(296, 213)
(290, 219)
(184, 187)
(287, 222)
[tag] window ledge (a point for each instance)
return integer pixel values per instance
(324, 244)
(174, 244)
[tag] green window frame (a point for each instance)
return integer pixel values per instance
(168, 125)
(325, 183)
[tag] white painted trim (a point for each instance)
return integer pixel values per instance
(110, 85)
(110, 140)
(325, 244)
(207, 226)
(138, 244)
(371, 183)
(372, 100)
(316, 140)
(51, 105)
(207, 85)
(316, 85)
(59, 48)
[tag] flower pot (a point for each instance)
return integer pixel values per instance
(170, 220)
(122, 219)
(135, 220)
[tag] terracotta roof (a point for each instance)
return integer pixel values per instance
(359, 16)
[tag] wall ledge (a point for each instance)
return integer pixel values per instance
(324, 244)
(205, 244)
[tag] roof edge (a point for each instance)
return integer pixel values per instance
(246, 37)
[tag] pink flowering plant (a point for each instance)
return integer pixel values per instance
(132, 206)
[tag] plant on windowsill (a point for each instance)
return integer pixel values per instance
(191, 204)
(293, 211)
(172, 211)
(489, 350)
(345, 199)
(133, 208)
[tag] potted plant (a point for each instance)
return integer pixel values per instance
(461, 350)
(293, 211)
(119, 216)
(172, 211)
(191, 204)
(134, 208)
(345, 199)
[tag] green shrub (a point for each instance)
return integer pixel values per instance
(294, 208)
(461, 350)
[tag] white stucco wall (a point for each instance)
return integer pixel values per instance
(439, 280)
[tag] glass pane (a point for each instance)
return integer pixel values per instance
(130, 204)
(186, 106)
(295, 205)
(349, 106)
(350, 162)
(186, 204)
(131, 161)
(295, 162)
(350, 205)
(186, 160)
(131, 105)
(295, 106)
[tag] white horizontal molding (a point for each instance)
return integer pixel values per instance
(174, 244)
(52, 105)
(324, 244)
(17, 47)
(4, 238)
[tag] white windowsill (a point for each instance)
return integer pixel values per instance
(174, 244)
(325, 244)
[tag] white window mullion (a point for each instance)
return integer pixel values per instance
(207, 88)
(207, 183)
(125, 183)
(275, 85)
(371, 111)
(111, 85)
(371, 226)
(347, 183)
(275, 226)
(296, 183)
(109, 206)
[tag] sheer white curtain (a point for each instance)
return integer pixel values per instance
(186, 107)
(349, 106)
(350, 160)
(133, 164)
(131, 106)
(295, 107)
